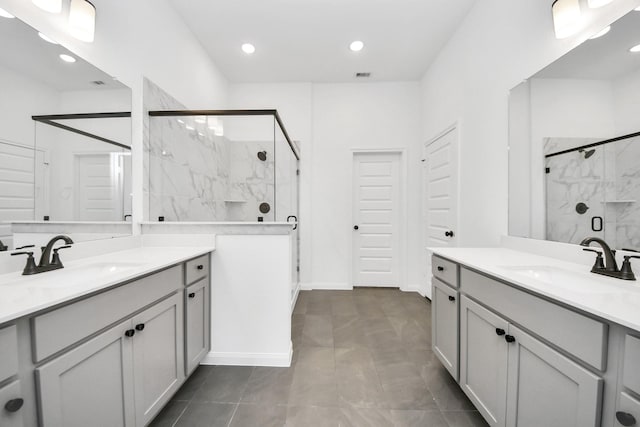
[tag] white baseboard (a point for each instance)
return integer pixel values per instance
(415, 287)
(295, 297)
(332, 286)
(280, 360)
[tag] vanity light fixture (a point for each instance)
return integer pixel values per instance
(82, 20)
(566, 17)
(51, 6)
(67, 58)
(248, 48)
(356, 46)
(635, 49)
(5, 14)
(47, 39)
(594, 4)
(601, 33)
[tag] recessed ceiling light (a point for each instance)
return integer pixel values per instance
(635, 49)
(5, 14)
(356, 46)
(47, 39)
(248, 48)
(67, 58)
(601, 33)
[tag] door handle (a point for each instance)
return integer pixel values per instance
(448, 233)
(355, 227)
(295, 220)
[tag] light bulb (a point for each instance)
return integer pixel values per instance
(82, 20)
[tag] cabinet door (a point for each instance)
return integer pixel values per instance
(90, 385)
(158, 356)
(197, 324)
(444, 319)
(484, 360)
(11, 401)
(547, 389)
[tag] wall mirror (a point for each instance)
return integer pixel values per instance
(574, 143)
(65, 137)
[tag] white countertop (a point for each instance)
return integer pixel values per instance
(24, 295)
(612, 299)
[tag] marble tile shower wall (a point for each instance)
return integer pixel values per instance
(195, 175)
(608, 182)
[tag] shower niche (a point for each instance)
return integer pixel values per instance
(592, 188)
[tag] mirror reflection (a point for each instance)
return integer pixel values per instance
(65, 137)
(574, 144)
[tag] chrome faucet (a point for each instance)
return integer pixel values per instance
(47, 261)
(610, 266)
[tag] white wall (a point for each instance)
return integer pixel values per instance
(135, 39)
(497, 46)
(330, 121)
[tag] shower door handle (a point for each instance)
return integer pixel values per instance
(597, 220)
(295, 220)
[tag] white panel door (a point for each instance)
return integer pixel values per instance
(17, 183)
(440, 206)
(99, 184)
(376, 219)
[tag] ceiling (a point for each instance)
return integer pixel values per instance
(604, 58)
(308, 40)
(27, 54)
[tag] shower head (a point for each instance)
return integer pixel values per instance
(587, 153)
(262, 155)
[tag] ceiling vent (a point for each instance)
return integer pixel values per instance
(98, 82)
(363, 75)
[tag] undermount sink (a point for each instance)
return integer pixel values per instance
(104, 267)
(74, 275)
(558, 277)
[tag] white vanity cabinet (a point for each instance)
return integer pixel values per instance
(525, 361)
(444, 326)
(113, 358)
(122, 377)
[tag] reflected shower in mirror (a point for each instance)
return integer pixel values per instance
(62, 160)
(574, 144)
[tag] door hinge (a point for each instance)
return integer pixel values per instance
(547, 170)
(297, 171)
(298, 269)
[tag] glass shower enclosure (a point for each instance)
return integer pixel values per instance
(593, 189)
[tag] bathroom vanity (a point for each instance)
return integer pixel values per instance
(107, 338)
(535, 341)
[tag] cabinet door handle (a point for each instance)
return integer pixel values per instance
(14, 405)
(129, 333)
(625, 418)
(452, 299)
(440, 268)
(140, 327)
(509, 338)
(500, 332)
(448, 233)
(192, 295)
(200, 267)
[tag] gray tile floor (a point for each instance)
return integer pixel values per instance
(361, 358)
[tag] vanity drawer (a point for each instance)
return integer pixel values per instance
(58, 329)
(8, 352)
(628, 412)
(445, 270)
(196, 269)
(575, 333)
(631, 373)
